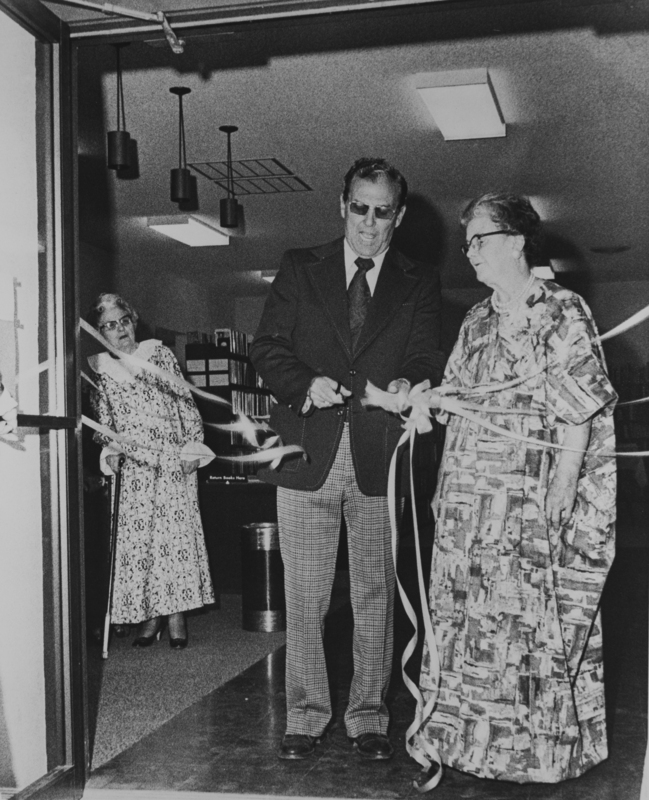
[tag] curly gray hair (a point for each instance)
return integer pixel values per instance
(108, 300)
(514, 213)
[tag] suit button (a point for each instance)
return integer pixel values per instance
(340, 411)
(352, 372)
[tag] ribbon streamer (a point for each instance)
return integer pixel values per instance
(415, 411)
(633, 402)
(200, 451)
(422, 398)
(89, 380)
(244, 425)
(631, 322)
(418, 422)
(263, 456)
(143, 364)
(484, 388)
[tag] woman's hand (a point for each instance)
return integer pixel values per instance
(560, 500)
(562, 491)
(113, 461)
(189, 466)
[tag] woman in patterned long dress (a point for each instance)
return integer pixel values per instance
(524, 534)
(161, 560)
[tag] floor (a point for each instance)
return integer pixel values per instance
(226, 742)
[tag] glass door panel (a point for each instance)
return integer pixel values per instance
(37, 462)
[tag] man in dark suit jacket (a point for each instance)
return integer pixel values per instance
(337, 316)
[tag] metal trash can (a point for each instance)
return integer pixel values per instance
(262, 578)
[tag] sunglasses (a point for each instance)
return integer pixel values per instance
(113, 324)
(380, 212)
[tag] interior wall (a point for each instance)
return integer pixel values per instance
(613, 303)
(174, 302)
(247, 313)
(96, 270)
(22, 693)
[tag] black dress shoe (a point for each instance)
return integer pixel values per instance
(373, 746)
(178, 643)
(298, 745)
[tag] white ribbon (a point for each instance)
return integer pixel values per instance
(143, 364)
(634, 319)
(415, 411)
(429, 759)
(265, 454)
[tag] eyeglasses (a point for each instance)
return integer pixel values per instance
(113, 324)
(478, 237)
(380, 212)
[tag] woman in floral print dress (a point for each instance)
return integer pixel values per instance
(161, 561)
(524, 533)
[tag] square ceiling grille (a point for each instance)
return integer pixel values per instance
(252, 176)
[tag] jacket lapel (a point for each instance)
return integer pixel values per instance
(394, 285)
(327, 276)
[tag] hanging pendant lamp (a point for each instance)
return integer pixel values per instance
(181, 184)
(119, 141)
(229, 216)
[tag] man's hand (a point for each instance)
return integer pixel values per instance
(325, 392)
(401, 387)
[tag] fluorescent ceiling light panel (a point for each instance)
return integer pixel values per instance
(463, 104)
(189, 230)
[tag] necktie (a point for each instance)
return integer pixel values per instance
(359, 297)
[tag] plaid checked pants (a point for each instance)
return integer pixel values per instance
(309, 530)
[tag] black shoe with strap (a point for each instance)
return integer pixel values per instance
(154, 632)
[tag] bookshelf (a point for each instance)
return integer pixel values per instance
(631, 422)
(219, 363)
(632, 431)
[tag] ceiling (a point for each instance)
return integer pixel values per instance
(318, 91)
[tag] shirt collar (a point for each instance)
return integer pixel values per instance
(351, 256)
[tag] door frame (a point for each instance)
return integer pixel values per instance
(64, 616)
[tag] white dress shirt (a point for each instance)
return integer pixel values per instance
(372, 275)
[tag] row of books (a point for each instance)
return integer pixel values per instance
(634, 374)
(208, 372)
(235, 341)
(252, 404)
(633, 431)
(227, 338)
(631, 382)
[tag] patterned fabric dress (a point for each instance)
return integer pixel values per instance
(161, 559)
(514, 605)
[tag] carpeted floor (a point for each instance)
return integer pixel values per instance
(134, 691)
